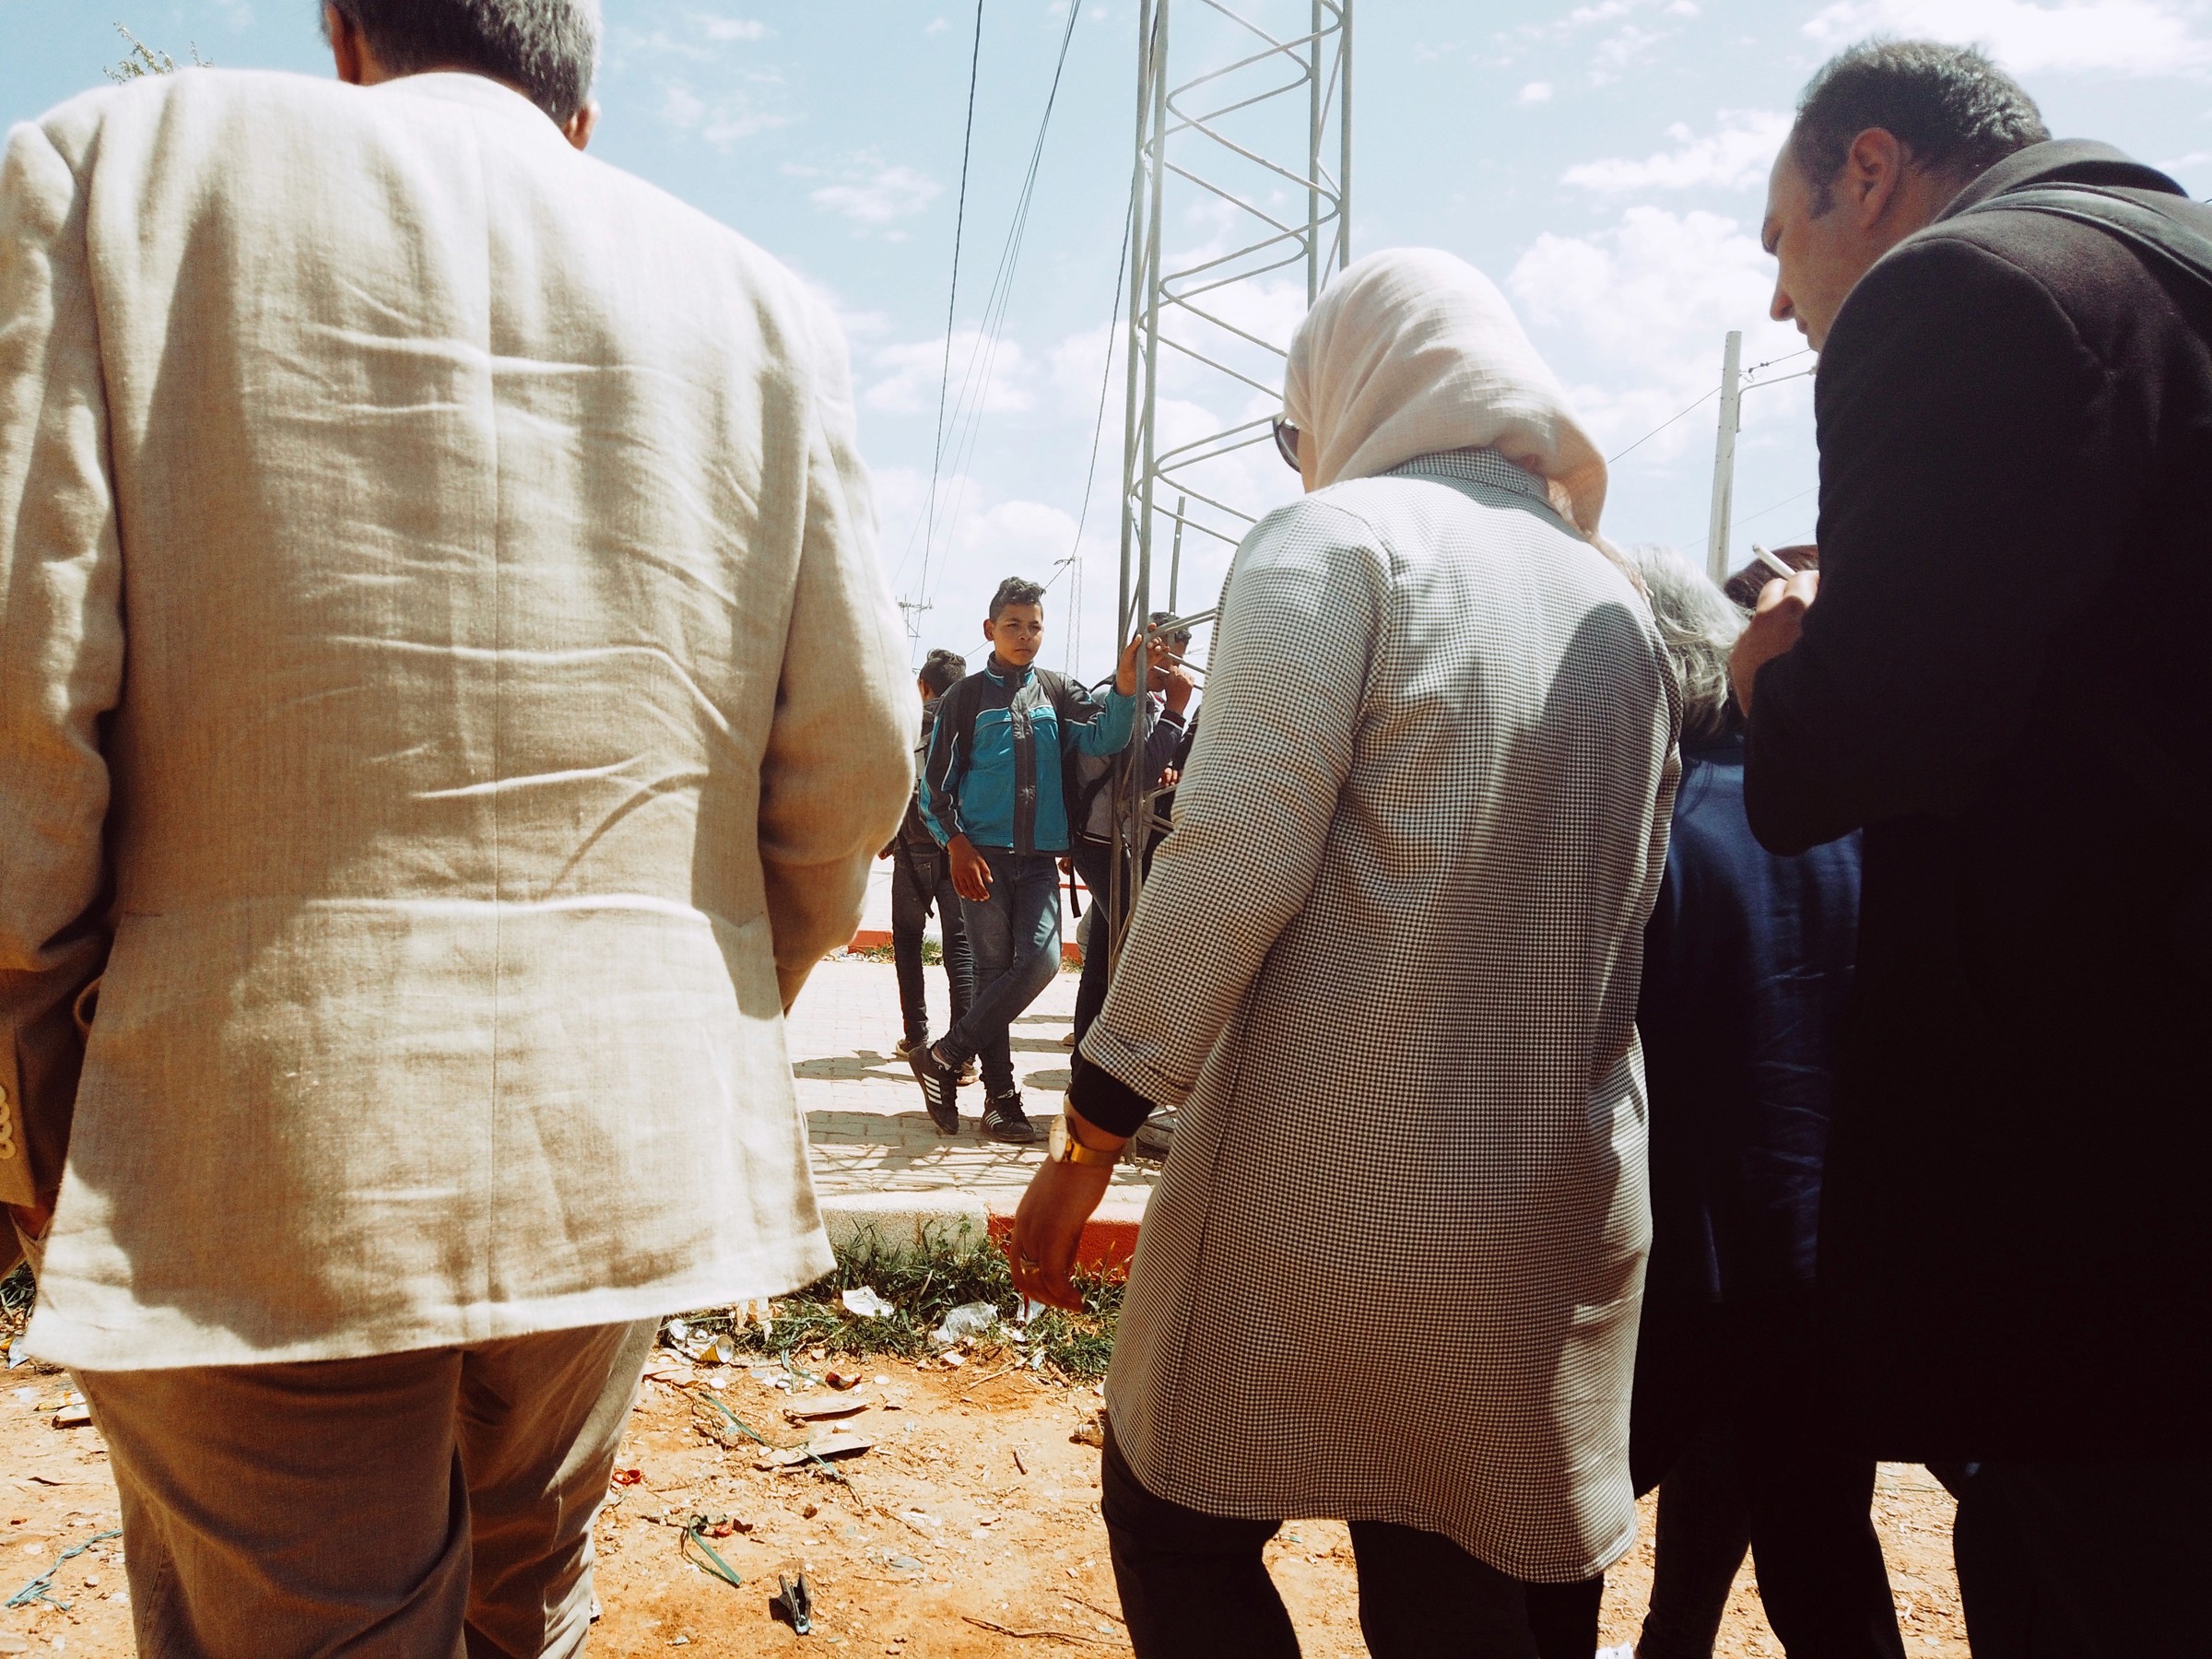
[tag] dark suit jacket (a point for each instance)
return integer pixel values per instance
(2006, 683)
(1747, 974)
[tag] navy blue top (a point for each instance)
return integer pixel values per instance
(1747, 967)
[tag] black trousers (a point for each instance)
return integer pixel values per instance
(1803, 1511)
(2083, 1560)
(921, 876)
(1195, 1586)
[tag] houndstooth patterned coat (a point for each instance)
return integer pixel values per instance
(1387, 963)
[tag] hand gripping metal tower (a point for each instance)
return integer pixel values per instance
(1243, 162)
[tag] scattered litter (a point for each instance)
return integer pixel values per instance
(969, 1319)
(752, 1313)
(1020, 1467)
(18, 1354)
(881, 1381)
(723, 1350)
(35, 1591)
(27, 1396)
(628, 1476)
(927, 1524)
(903, 1563)
(866, 1303)
(842, 1444)
(842, 1379)
(73, 1413)
(695, 1538)
(676, 1330)
(793, 1604)
(1028, 1310)
(1090, 1432)
(770, 1376)
(951, 1360)
(825, 1405)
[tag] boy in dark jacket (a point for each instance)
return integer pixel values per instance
(921, 877)
(993, 796)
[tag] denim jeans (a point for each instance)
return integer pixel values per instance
(1095, 864)
(1013, 936)
(921, 876)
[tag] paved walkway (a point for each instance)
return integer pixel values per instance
(877, 1160)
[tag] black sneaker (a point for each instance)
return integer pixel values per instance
(1004, 1120)
(1154, 1136)
(940, 1089)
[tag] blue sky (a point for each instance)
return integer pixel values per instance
(1603, 161)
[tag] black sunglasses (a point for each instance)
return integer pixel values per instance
(1285, 442)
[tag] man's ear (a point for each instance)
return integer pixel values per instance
(1874, 175)
(577, 128)
(345, 46)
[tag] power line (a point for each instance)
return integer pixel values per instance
(959, 225)
(1662, 425)
(1714, 393)
(1097, 432)
(968, 408)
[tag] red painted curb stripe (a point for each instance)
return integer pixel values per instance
(1105, 1247)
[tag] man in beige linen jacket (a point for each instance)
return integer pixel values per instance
(448, 698)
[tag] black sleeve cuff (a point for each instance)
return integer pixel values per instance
(1103, 1099)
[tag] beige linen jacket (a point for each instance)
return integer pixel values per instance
(448, 692)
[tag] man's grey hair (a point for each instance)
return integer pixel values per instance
(1953, 109)
(1698, 626)
(548, 48)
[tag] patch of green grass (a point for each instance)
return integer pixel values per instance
(922, 1287)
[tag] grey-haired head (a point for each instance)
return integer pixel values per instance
(1698, 626)
(546, 49)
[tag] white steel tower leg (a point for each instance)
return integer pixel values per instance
(1244, 156)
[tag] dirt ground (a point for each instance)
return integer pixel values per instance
(969, 1527)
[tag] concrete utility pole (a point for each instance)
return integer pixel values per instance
(1723, 455)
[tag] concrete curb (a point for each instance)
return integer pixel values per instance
(901, 1223)
(875, 938)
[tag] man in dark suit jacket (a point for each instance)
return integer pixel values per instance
(2004, 684)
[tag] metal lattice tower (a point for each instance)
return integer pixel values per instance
(1245, 120)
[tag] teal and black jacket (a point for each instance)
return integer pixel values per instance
(994, 772)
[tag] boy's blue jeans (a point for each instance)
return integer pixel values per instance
(1014, 938)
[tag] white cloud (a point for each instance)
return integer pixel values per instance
(909, 374)
(1535, 93)
(724, 123)
(936, 26)
(731, 29)
(2115, 37)
(682, 108)
(1643, 305)
(1735, 156)
(880, 197)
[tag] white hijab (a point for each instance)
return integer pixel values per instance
(1412, 352)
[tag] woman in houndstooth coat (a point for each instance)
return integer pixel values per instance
(1387, 966)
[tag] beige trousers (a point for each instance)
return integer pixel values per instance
(424, 1505)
